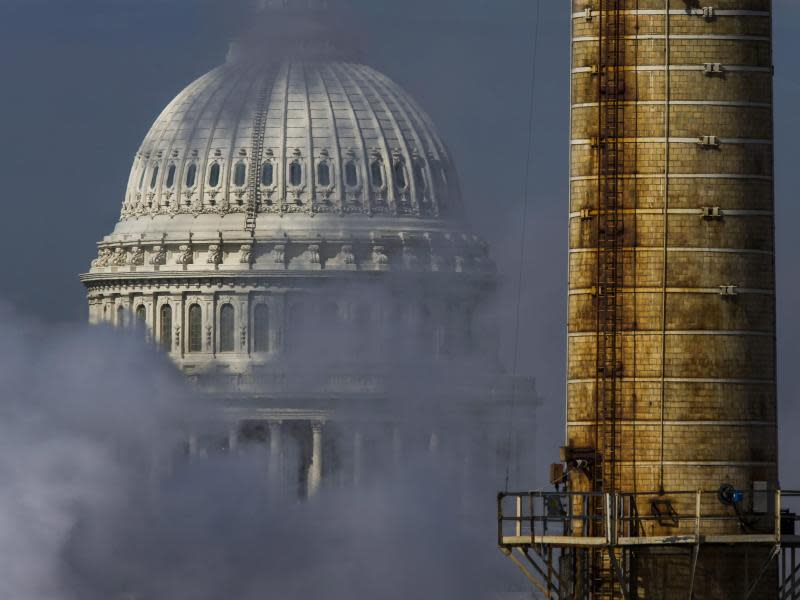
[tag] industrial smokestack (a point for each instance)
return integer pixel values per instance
(671, 351)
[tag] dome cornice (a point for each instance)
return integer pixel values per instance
(404, 252)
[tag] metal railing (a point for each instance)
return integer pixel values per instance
(595, 518)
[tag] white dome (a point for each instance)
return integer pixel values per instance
(299, 165)
(301, 189)
(318, 138)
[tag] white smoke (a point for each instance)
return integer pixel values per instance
(90, 414)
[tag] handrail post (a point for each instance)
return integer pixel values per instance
(518, 529)
(778, 516)
(500, 497)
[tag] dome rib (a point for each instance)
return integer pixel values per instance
(338, 163)
(357, 136)
(284, 110)
(406, 154)
(207, 158)
(386, 96)
(158, 192)
(417, 122)
(256, 82)
(380, 138)
(311, 175)
(167, 117)
(258, 138)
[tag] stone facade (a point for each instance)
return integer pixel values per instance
(695, 398)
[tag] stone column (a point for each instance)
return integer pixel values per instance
(275, 453)
(358, 443)
(233, 438)
(93, 311)
(193, 446)
(433, 443)
(315, 468)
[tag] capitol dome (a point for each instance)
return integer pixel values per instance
(299, 138)
(263, 184)
(293, 152)
(292, 238)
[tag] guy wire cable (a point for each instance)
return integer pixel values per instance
(524, 227)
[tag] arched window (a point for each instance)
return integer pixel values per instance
(213, 175)
(376, 174)
(165, 337)
(400, 175)
(240, 174)
(171, 176)
(261, 328)
(195, 328)
(120, 316)
(191, 175)
(154, 178)
(297, 325)
(295, 174)
(266, 174)
(141, 315)
(226, 336)
(323, 174)
(351, 174)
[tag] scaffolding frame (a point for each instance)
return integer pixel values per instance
(551, 536)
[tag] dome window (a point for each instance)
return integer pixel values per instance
(191, 175)
(376, 174)
(400, 175)
(120, 316)
(213, 175)
(261, 328)
(141, 314)
(171, 177)
(295, 174)
(240, 174)
(267, 174)
(351, 174)
(226, 328)
(324, 174)
(195, 328)
(141, 177)
(165, 337)
(154, 178)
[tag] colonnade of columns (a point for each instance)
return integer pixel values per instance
(277, 437)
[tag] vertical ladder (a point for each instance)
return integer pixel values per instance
(256, 156)
(611, 164)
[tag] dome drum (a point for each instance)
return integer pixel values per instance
(242, 323)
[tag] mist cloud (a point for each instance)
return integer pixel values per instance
(96, 504)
